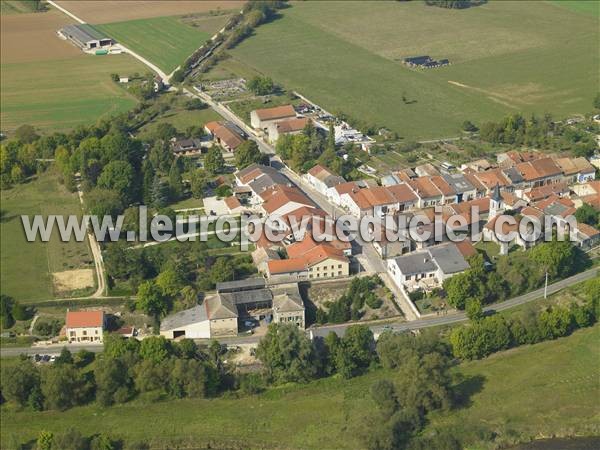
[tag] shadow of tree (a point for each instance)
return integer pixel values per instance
(466, 388)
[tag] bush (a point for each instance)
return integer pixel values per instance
(251, 383)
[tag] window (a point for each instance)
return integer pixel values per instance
(84, 333)
(72, 333)
(340, 273)
(408, 277)
(96, 332)
(339, 266)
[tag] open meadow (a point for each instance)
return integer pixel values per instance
(55, 86)
(166, 41)
(505, 57)
(548, 388)
(26, 267)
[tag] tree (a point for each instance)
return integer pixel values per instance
(587, 214)
(191, 378)
(384, 395)
(151, 300)
(6, 305)
(261, 85)
(18, 381)
(248, 153)
(102, 442)
(113, 383)
(45, 440)
(118, 176)
(556, 257)
(198, 183)
(160, 193)
(155, 348)
(473, 309)
(61, 387)
(214, 161)
(356, 351)
(222, 270)
(103, 202)
(26, 134)
(175, 181)
(164, 131)
(170, 281)
(147, 181)
(70, 439)
(287, 354)
(65, 357)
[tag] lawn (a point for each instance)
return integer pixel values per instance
(165, 41)
(582, 6)
(181, 119)
(61, 94)
(548, 388)
(26, 267)
(505, 57)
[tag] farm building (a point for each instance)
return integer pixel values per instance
(85, 36)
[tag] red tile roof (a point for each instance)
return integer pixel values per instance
(84, 319)
(278, 112)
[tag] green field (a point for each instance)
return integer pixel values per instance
(545, 389)
(181, 119)
(505, 57)
(16, 6)
(583, 6)
(60, 94)
(165, 41)
(26, 266)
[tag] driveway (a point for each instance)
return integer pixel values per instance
(217, 206)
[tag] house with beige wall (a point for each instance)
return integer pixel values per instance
(85, 326)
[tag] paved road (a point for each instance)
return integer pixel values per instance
(428, 322)
(7, 352)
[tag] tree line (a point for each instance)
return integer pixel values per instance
(487, 335)
(513, 274)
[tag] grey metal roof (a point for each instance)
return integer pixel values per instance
(267, 180)
(458, 182)
(416, 262)
(84, 33)
(448, 258)
(250, 283)
(244, 297)
(184, 318)
(390, 180)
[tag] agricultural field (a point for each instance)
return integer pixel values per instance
(101, 11)
(18, 6)
(547, 402)
(505, 57)
(27, 268)
(165, 41)
(55, 87)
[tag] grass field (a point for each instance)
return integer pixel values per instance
(26, 267)
(61, 94)
(591, 7)
(165, 41)
(16, 6)
(55, 86)
(505, 57)
(530, 391)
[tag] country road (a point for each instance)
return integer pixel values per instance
(449, 319)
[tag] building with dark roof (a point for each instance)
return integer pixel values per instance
(85, 36)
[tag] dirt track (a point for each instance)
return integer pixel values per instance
(117, 11)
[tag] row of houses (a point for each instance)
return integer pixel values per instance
(284, 205)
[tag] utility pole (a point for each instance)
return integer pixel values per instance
(546, 286)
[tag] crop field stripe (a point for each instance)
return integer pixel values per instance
(165, 41)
